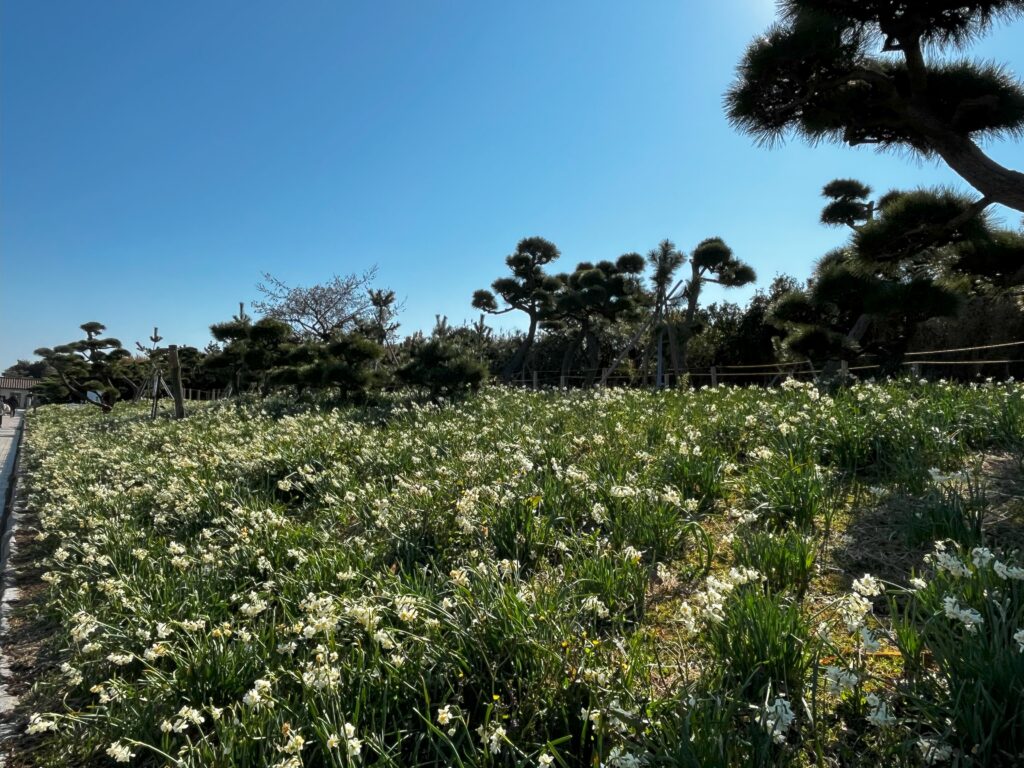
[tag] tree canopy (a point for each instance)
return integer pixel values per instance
(856, 72)
(320, 311)
(530, 290)
(83, 366)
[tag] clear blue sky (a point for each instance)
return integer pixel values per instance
(155, 158)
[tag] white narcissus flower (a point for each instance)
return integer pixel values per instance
(120, 752)
(352, 744)
(982, 556)
(879, 715)
(868, 586)
(777, 718)
(934, 751)
(38, 724)
(969, 617)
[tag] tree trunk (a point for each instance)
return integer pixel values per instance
(673, 351)
(593, 358)
(692, 297)
(684, 353)
(515, 365)
(645, 362)
(570, 354)
(995, 182)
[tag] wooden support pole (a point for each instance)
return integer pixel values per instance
(535, 380)
(714, 376)
(155, 394)
(179, 400)
(844, 371)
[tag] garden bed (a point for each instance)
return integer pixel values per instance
(532, 578)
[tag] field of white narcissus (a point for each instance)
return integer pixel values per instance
(612, 578)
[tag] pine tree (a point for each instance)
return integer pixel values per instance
(83, 366)
(712, 261)
(530, 290)
(902, 265)
(441, 368)
(855, 72)
(591, 296)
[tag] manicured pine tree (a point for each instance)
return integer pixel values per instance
(712, 261)
(530, 290)
(856, 72)
(440, 367)
(250, 351)
(902, 265)
(85, 365)
(591, 296)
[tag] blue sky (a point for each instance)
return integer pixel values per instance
(155, 158)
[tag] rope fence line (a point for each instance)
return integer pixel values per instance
(967, 349)
(756, 371)
(765, 365)
(957, 362)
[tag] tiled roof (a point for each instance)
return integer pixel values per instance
(17, 382)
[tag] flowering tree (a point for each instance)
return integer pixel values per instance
(320, 311)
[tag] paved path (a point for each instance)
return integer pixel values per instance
(8, 436)
(8, 592)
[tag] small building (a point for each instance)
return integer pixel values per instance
(18, 387)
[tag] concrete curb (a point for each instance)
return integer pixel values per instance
(9, 593)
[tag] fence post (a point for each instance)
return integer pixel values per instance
(535, 379)
(844, 371)
(714, 376)
(179, 401)
(915, 370)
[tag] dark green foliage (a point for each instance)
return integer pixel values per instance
(965, 684)
(911, 225)
(29, 369)
(848, 204)
(529, 290)
(933, 21)
(268, 354)
(593, 297)
(818, 73)
(735, 335)
(817, 343)
(82, 366)
(712, 261)
(794, 307)
(764, 645)
(345, 363)
(249, 351)
(439, 367)
(785, 560)
(911, 257)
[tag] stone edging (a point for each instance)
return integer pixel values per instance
(9, 593)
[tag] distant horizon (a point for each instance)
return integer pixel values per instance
(156, 160)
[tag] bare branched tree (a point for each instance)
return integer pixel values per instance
(319, 311)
